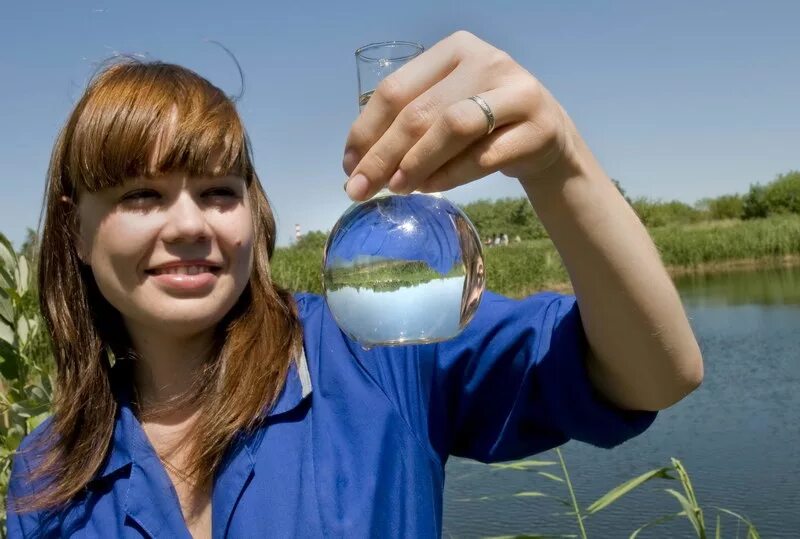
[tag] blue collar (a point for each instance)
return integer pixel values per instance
(126, 442)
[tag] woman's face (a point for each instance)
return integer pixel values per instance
(172, 253)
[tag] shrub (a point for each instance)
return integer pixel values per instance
(780, 196)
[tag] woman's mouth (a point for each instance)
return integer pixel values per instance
(183, 270)
(191, 278)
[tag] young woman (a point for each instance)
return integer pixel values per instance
(196, 397)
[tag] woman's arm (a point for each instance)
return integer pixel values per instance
(643, 354)
(420, 131)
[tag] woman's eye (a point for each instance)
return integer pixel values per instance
(140, 197)
(221, 193)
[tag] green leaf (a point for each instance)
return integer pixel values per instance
(522, 464)
(532, 536)
(21, 410)
(37, 420)
(532, 494)
(23, 272)
(6, 281)
(718, 533)
(690, 510)
(685, 481)
(14, 436)
(23, 331)
(479, 499)
(9, 361)
(6, 333)
(551, 476)
(619, 491)
(6, 307)
(7, 255)
(655, 522)
(535, 494)
(38, 394)
(752, 533)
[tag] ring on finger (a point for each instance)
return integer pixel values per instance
(486, 110)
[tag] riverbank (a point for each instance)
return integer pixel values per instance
(704, 248)
(523, 268)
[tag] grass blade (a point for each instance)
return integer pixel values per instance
(572, 497)
(619, 491)
(690, 510)
(752, 533)
(550, 476)
(655, 522)
(532, 536)
(522, 465)
(536, 494)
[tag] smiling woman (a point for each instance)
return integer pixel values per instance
(193, 396)
(149, 241)
(155, 242)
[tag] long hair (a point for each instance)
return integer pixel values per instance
(112, 134)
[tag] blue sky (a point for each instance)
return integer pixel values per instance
(678, 99)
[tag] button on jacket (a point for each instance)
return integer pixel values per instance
(357, 441)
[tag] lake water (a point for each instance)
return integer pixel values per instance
(738, 435)
(424, 312)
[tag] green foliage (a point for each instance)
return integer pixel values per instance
(512, 216)
(656, 213)
(298, 269)
(314, 239)
(519, 269)
(26, 366)
(687, 499)
(780, 196)
(725, 207)
(733, 240)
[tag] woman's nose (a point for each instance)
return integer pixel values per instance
(186, 221)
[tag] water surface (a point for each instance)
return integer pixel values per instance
(738, 435)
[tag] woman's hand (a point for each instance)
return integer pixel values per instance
(420, 131)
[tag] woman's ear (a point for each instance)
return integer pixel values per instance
(73, 223)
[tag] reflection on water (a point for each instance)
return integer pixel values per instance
(403, 269)
(418, 312)
(779, 286)
(738, 434)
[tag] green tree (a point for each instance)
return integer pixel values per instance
(726, 207)
(780, 196)
(314, 239)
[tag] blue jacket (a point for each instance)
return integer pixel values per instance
(357, 442)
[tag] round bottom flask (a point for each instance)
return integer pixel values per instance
(402, 269)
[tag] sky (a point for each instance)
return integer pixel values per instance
(678, 100)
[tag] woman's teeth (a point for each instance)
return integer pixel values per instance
(183, 270)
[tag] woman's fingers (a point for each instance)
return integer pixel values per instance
(411, 124)
(420, 130)
(393, 94)
(503, 150)
(461, 125)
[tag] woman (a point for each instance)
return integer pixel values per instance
(196, 397)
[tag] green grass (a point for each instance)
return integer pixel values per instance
(519, 269)
(387, 275)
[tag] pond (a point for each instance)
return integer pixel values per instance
(738, 435)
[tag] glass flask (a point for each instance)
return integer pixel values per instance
(401, 269)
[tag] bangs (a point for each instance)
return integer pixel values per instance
(150, 119)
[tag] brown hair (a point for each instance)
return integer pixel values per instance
(112, 134)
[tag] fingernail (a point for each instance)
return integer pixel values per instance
(357, 187)
(350, 161)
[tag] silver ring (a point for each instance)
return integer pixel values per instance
(486, 110)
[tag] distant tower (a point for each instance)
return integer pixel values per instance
(296, 233)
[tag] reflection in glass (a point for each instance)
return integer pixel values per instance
(403, 269)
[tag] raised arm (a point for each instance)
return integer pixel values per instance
(421, 131)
